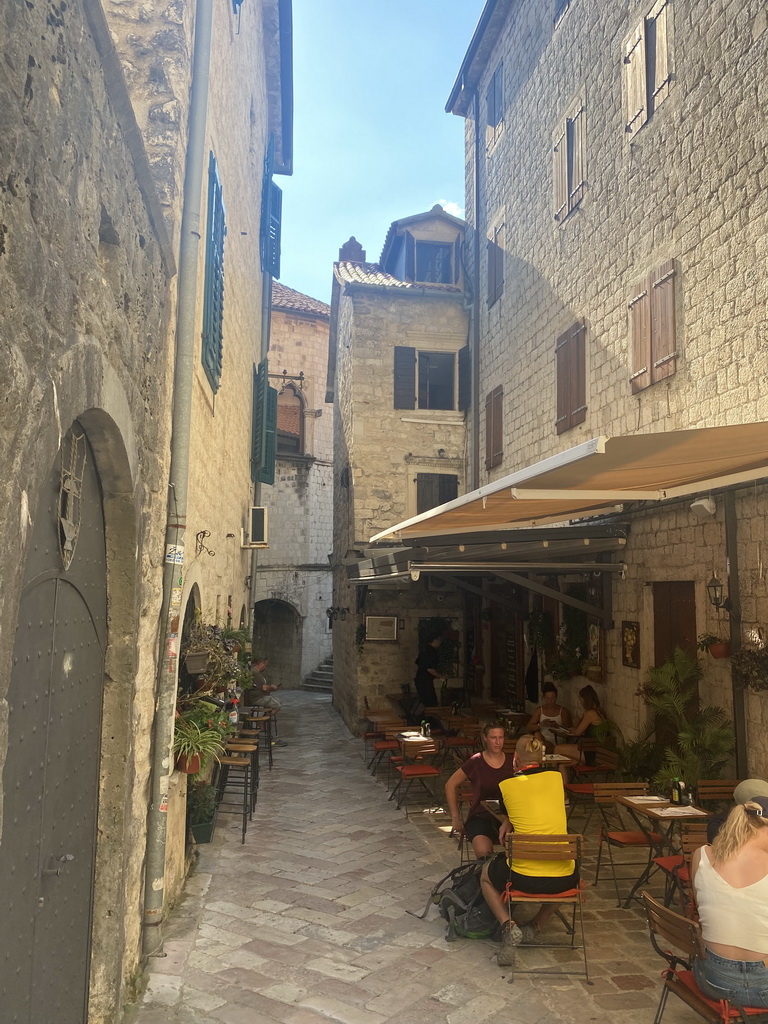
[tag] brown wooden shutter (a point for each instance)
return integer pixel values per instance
(575, 140)
(491, 270)
(560, 170)
(457, 259)
(663, 345)
(405, 377)
(640, 329)
(465, 378)
(563, 374)
(498, 90)
(494, 427)
(410, 257)
(634, 60)
(578, 390)
(490, 104)
(658, 82)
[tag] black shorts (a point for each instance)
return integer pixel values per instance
(499, 874)
(482, 825)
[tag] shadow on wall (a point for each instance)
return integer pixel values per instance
(277, 636)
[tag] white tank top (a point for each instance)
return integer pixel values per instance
(731, 916)
(546, 731)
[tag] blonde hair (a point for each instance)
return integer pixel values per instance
(529, 750)
(739, 827)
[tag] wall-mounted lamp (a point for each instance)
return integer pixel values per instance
(715, 593)
(704, 508)
(337, 613)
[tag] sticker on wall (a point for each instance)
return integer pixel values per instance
(176, 597)
(175, 553)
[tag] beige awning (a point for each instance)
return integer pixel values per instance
(598, 476)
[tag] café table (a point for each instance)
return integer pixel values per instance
(656, 818)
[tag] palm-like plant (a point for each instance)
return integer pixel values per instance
(704, 736)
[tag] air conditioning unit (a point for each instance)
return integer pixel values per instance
(440, 585)
(258, 528)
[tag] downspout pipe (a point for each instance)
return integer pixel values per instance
(476, 304)
(734, 617)
(173, 562)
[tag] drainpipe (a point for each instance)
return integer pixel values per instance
(734, 618)
(167, 676)
(476, 306)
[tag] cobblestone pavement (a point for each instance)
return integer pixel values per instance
(306, 922)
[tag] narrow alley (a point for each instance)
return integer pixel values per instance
(307, 921)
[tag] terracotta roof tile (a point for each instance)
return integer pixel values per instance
(290, 300)
(371, 273)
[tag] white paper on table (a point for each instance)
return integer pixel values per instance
(680, 812)
(648, 799)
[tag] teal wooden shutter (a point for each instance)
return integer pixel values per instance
(213, 287)
(263, 426)
(274, 229)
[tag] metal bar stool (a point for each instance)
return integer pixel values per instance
(263, 722)
(238, 747)
(235, 772)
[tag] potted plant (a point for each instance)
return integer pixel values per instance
(701, 738)
(716, 645)
(750, 664)
(195, 744)
(201, 810)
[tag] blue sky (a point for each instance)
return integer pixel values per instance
(372, 140)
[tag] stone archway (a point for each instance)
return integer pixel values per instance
(277, 636)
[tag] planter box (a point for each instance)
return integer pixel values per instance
(203, 831)
(196, 662)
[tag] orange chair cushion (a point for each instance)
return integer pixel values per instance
(413, 771)
(669, 864)
(517, 894)
(380, 745)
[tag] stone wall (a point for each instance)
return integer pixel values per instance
(295, 567)
(84, 300)
(687, 186)
(382, 449)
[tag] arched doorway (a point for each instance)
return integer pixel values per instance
(277, 636)
(51, 774)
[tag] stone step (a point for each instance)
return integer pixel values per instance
(314, 687)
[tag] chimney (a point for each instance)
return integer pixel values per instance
(352, 251)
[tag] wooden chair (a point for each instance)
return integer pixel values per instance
(677, 866)
(383, 747)
(715, 791)
(415, 773)
(550, 848)
(582, 794)
(670, 929)
(614, 833)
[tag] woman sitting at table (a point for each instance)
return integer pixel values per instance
(730, 882)
(534, 805)
(485, 771)
(547, 717)
(592, 717)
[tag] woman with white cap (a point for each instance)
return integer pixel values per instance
(743, 792)
(730, 882)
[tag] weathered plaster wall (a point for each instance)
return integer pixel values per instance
(83, 323)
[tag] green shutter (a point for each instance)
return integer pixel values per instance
(274, 229)
(263, 426)
(213, 287)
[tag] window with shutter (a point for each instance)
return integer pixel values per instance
(405, 377)
(433, 489)
(410, 257)
(570, 360)
(433, 262)
(495, 258)
(465, 378)
(213, 286)
(494, 427)
(652, 327)
(494, 102)
(568, 166)
(647, 66)
(263, 426)
(290, 421)
(436, 380)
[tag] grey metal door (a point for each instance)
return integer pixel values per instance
(50, 780)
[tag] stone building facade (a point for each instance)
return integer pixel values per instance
(95, 114)
(292, 585)
(616, 157)
(398, 339)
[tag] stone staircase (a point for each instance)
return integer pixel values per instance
(321, 679)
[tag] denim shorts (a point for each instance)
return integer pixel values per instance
(744, 982)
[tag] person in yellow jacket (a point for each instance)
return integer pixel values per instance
(534, 804)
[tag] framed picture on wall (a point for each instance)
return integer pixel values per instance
(381, 627)
(630, 644)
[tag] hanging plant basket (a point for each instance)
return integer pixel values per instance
(190, 765)
(196, 662)
(721, 650)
